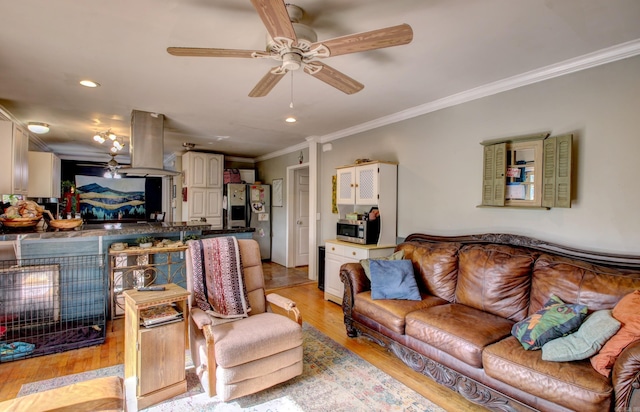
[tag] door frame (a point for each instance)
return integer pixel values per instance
(291, 218)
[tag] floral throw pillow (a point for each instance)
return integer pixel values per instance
(554, 320)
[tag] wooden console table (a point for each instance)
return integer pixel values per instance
(135, 266)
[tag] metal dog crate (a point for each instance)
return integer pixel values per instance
(50, 305)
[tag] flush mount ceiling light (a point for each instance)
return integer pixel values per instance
(89, 83)
(37, 127)
(290, 119)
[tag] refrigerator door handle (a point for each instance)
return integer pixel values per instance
(249, 213)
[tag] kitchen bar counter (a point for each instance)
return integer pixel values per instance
(94, 238)
(107, 229)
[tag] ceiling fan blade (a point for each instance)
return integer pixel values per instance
(275, 18)
(267, 83)
(333, 77)
(370, 40)
(206, 52)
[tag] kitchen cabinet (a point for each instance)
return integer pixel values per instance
(203, 181)
(338, 253)
(44, 175)
(531, 171)
(14, 172)
(204, 203)
(366, 185)
(203, 169)
(154, 357)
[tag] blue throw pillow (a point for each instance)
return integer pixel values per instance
(393, 279)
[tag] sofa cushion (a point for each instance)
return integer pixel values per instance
(627, 312)
(495, 279)
(554, 320)
(577, 281)
(585, 342)
(458, 330)
(435, 265)
(574, 385)
(393, 279)
(365, 263)
(391, 313)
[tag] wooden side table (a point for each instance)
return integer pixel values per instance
(154, 358)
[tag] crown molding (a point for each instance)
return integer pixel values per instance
(587, 61)
(282, 152)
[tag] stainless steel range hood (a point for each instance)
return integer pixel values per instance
(147, 146)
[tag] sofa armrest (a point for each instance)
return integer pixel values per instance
(353, 273)
(626, 379)
(286, 304)
(355, 281)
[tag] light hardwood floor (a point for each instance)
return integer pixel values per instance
(323, 315)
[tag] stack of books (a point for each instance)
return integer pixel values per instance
(159, 315)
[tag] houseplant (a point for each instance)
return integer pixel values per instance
(145, 241)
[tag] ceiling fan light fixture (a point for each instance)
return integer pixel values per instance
(38, 127)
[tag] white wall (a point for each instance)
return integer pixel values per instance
(440, 161)
(268, 170)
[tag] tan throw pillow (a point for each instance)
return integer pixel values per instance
(399, 255)
(594, 332)
(627, 311)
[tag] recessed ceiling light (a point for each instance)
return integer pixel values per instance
(290, 119)
(89, 83)
(37, 127)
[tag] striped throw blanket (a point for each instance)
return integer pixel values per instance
(218, 283)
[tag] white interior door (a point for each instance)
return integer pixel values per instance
(301, 190)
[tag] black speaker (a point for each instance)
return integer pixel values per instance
(321, 267)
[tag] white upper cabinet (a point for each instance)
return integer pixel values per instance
(14, 163)
(44, 175)
(203, 169)
(358, 185)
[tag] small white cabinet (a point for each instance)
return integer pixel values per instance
(373, 184)
(203, 180)
(44, 175)
(14, 163)
(338, 253)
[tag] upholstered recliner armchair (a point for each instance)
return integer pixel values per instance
(248, 355)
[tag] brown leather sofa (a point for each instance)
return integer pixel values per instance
(474, 289)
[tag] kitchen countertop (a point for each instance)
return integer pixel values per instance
(105, 229)
(224, 231)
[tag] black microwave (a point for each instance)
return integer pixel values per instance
(364, 232)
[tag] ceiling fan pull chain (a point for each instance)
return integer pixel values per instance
(291, 104)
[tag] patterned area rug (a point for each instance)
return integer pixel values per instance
(334, 379)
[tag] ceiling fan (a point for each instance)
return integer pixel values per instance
(295, 45)
(112, 165)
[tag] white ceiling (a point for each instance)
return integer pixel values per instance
(47, 47)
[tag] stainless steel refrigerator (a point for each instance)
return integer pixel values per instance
(250, 206)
